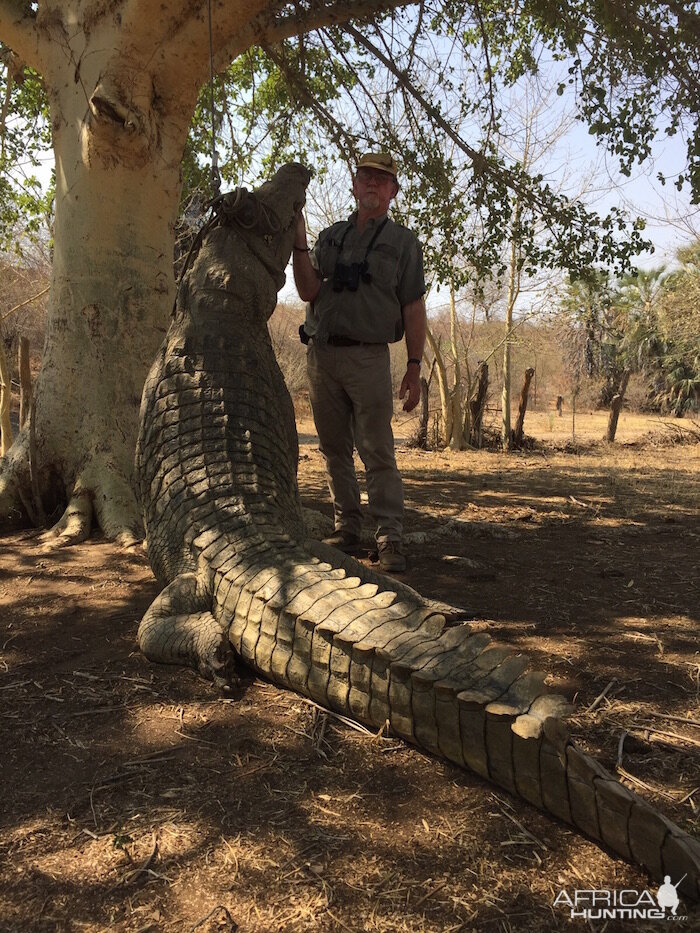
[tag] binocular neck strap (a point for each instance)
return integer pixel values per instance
(371, 242)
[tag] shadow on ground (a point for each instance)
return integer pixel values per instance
(136, 798)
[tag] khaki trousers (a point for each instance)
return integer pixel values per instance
(351, 398)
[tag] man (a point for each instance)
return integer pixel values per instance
(364, 285)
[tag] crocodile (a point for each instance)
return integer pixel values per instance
(216, 466)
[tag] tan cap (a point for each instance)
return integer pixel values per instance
(379, 160)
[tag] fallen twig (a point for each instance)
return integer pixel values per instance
(643, 785)
(671, 735)
(90, 712)
(522, 829)
(348, 722)
(601, 696)
(146, 864)
(229, 918)
(340, 923)
(689, 795)
(425, 897)
(620, 749)
(649, 735)
(687, 722)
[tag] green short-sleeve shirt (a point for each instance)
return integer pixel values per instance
(373, 312)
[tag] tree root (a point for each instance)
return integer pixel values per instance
(105, 498)
(16, 509)
(100, 495)
(74, 525)
(114, 503)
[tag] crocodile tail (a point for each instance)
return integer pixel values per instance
(380, 657)
(507, 728)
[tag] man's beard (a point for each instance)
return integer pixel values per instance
(370, 201)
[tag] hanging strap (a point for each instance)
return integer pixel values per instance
(371, 242)
(214, 175)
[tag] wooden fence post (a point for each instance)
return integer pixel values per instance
(5, 391)
(616, 407)
(25, 381)
(478, 403)
(519, 424)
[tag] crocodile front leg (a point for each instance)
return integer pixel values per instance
(179, 628)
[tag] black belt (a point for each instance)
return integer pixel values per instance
(349, 342)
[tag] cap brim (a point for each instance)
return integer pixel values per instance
(381, 168)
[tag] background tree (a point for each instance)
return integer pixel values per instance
(660, 315)
(123, 80)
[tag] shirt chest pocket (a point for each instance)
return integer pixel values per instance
(384, 266)
(328, 259)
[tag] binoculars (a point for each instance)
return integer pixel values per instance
(349, 276)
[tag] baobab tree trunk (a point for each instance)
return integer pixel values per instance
(117, 195)
(616, 407)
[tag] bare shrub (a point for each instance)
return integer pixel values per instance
(23, 298)
(289, 350)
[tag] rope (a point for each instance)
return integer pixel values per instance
(239, 207)
(214, 173)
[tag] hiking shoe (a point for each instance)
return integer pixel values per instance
(344, 541)
(391, 557)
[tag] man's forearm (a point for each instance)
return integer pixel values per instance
(306, 279)
(305, 276)
(415, 324)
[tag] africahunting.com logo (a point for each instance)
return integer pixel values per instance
(626, 904)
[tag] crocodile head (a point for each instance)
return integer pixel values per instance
(240, 264)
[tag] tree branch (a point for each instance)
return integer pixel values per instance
(489, 72)
(477, 158)
(184, 37)
(19, 31)
(338, 133)
(185, 40)
(92, 11)
(271, 30)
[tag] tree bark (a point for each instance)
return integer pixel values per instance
(477, 404)
(616, 407)
(522, 408)
(25, 381)
(513, 292)
(118, 157)
(420, 438)
(5, 394)
(456, 440)
(445, 400)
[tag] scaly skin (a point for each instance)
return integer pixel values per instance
(216, 465)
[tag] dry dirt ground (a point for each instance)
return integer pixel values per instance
(135, 798)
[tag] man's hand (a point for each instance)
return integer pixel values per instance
(410, 385)
(307, 280)
(300, 238)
